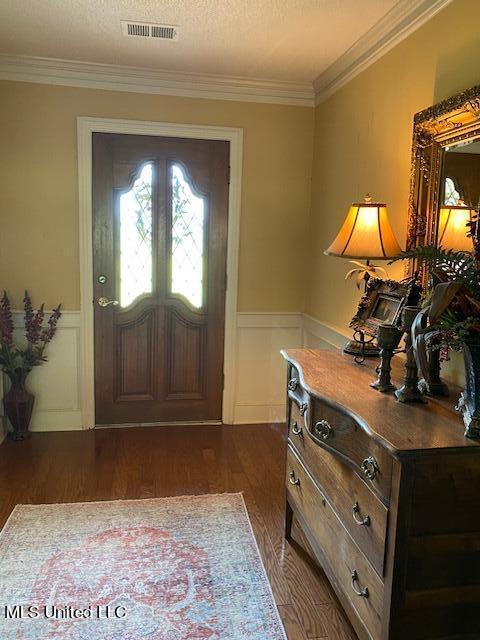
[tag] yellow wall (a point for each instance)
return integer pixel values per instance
(363, 141)
(360, 139)
(39, 201)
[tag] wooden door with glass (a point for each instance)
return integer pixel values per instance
(160, 210)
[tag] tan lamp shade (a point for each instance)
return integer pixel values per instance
(365, 234)
(452, 228)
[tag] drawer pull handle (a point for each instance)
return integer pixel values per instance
(293, 480)
(293, 384)
(324, 430)
(363, 593)
(370, 467)
(304, 413)
(296, 430)
(363, 522)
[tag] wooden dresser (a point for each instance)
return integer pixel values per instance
(388, 496)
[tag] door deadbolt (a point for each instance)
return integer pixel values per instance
(102, 279)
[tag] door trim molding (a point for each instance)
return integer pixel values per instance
(86, 126)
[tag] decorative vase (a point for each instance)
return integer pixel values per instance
(469, 402)
(18, 404)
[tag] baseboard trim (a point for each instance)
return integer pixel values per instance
(259, 413)
(134, 425)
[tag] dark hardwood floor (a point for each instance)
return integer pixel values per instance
(110, 464)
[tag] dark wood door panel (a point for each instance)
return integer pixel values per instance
(160, 237)
(186, 366)
(136, 345)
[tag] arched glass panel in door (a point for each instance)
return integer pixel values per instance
(187, 248)
(136, 250)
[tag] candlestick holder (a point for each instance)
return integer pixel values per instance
(433, 385)
(410, 391)
(388, 339)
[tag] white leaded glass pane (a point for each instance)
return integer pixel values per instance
(451, 194)
(188, 215)
(136, 238)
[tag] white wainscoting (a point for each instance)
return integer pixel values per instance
(259, 394)
(56, 383)
(260, 388)
(260, 369)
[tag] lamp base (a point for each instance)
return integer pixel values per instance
(365, 349)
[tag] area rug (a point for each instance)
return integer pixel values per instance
(181, 568)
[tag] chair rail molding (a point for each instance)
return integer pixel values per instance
(91, 75)
(320, 335)
(85, 128)
(403, 19)
(59, 385)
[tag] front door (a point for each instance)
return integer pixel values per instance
(159, 256)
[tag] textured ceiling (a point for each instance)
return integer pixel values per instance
(265, 39)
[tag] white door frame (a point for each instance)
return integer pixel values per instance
(86, 126)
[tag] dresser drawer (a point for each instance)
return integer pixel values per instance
(362, 513)
(348, 569)
(339, 432)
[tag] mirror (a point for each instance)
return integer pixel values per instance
(459, 194)
(445, 173)
(461, 174)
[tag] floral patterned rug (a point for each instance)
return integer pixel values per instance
(181, 568)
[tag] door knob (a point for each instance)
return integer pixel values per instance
(105, 302)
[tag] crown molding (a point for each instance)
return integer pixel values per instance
(142, 80)
(402, 20)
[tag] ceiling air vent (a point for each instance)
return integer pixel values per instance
(149, 30)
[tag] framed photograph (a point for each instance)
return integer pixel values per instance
(382, 303)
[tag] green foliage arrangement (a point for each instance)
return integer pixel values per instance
(454, 295)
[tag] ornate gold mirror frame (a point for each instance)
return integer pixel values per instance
(447, 123)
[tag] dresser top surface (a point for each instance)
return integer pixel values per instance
(333, 376)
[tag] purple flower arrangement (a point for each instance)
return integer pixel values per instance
(17, 361)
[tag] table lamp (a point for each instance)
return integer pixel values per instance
(453, 227)
(366, 234)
